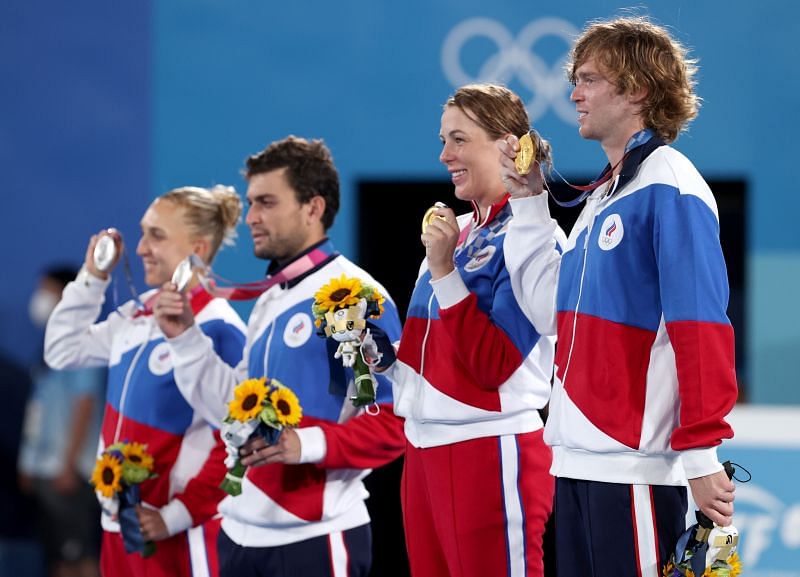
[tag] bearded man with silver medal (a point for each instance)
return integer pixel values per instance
(300, 509)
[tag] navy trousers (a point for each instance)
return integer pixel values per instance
(605, 529)
(340, 554)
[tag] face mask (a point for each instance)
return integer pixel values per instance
(40, 306)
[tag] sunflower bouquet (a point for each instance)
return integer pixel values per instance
(259, 407)
(730, 567)
(340, 309)
(119, 471)
(705, 550)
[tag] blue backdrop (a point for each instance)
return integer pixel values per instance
(108, 106)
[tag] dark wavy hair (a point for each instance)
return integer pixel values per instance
(309, 171)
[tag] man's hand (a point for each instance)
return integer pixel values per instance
(440, 240)
(713, 495)
(152, 525)
(256, 452)
(517, 185)
(172, 311)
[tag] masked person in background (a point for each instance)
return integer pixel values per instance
(57, 453)
(143, 403)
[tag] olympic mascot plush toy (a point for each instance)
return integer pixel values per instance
(341, 309)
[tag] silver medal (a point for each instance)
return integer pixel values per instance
(186, 270)
(105, 252)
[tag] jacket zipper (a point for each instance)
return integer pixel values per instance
(612, 185)
(580, 293)
(421, 393)
(128, 376)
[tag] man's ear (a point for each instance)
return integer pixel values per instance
(638, 96)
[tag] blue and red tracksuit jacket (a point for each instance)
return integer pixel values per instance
(282, 504)
(645, 362)
(143, 402)
(476, 356)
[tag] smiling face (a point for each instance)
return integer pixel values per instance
(604, 114)
(471, 158)
(165, 241)
(281, 226)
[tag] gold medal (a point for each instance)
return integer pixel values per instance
(525, 154)
(430, 214)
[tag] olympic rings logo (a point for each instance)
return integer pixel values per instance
(516, 58)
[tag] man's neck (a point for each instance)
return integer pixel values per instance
(317, 239)
(615, 148)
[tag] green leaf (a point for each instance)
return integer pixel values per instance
(269, 416)
(134, 474)
(232, 483)
(148, 549)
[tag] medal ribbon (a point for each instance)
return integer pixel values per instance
(586, 190)
(198, 299)
(636, 143)
(202, 294)
(290, 272)
(126, 268)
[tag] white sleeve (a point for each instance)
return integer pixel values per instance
(72, 339)
(700, 462)
(203, 378)
(532, 260)
(176, 517)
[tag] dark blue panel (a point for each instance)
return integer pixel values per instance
(74, 138)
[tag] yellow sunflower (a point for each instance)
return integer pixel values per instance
(287, 406)
(107, 475)
(248, 396)
(377, 296)
(669, 568)
(338, 293)
(736, 564)
(137, 454)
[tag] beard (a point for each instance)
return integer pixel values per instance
(279, 249)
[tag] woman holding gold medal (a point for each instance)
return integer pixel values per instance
(474, 363)
(143, 403)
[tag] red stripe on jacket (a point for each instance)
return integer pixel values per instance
(468, 356)
(201, 494)
(607, 374)
(704, 354)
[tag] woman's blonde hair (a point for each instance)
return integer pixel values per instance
(211, 213)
